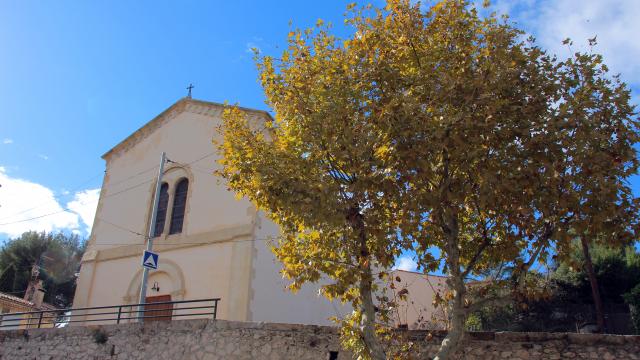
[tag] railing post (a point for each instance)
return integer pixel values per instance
(119, 313)
(40, 320)
(215, 309)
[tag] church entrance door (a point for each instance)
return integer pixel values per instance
(158, 312)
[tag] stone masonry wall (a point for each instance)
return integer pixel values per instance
(208, 339)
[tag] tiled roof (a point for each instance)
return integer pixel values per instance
(23, 302)
(4, 296)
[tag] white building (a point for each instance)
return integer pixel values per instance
(211, 245)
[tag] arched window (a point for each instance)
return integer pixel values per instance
(179, 205)
(161, 216)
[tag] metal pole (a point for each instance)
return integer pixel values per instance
(152, 234)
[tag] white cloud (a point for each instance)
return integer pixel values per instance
(43, 157)
(405, 263)
(85, 204)
(21, 200)
(7, 141)
(25, 205)
(614, 22)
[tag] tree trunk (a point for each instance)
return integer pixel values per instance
(365, 287)
(455, 334)
(595, 291)
(368, 320)
(456, 329)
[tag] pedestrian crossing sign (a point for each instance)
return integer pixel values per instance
(150, 260)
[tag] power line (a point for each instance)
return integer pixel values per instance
(202, 158)
(200, 243)
(209, 243)
(132, 176)
(127, 189)
(190, 243)
(120, 227)
(55, 198)
(203, 171)
(38, 217)
(150, 180)
(106, 196)
(71, 211)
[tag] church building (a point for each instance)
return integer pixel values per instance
(210, 244)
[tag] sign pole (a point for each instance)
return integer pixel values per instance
(152, 234)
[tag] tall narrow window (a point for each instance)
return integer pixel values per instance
(179, 205)
(163, 203)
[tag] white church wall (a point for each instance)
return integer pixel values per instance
(185, 138)
(272, 302)
(203, 272)
(213, 214)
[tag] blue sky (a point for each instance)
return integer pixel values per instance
(78, 77)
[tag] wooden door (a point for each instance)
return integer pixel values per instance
(160, 312)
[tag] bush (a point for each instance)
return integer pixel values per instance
(474, 323)
(633, 299)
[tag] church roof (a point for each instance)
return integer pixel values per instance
(178, 107)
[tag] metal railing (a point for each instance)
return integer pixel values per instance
(153, 311)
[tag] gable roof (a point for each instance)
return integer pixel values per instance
(178, 107)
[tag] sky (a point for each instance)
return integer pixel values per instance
(78, 77)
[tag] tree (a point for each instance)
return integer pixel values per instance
(587, 263)
(566, 291)
(633, 299)
(438, 129)
(58, 256)
(593, 281)
(617, 271)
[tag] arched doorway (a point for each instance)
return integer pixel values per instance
(164, 284)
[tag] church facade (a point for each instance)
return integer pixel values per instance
(210, 244)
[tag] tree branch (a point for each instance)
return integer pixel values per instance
(498, 300)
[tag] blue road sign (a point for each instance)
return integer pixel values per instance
(150, 260)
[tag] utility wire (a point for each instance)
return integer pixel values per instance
(132, 176)
(194, 243)
(202, 157)
(129, 188)
(71, 211)
(38, 217)
(121, 227)
(55, 198)
(203, 171)
(107, 196)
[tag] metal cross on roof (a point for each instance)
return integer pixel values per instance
(189, 88)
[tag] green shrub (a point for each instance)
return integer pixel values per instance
(633, 299)
(474, 323)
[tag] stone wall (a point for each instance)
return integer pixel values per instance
(207, 339)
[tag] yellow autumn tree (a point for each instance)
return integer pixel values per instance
(431, 129)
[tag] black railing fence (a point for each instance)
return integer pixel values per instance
(116, 314)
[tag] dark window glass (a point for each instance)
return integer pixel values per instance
(179, 205)
(163, 203)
